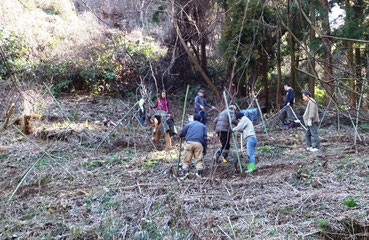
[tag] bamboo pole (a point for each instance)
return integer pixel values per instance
(8, 115)
(43, 150)
(233, 135)
(349, 114)
(357, 116)
(261, 115)
(142, 127)
(115, 127)
(294, 114)
(57, 103)
(182, 123)
(25, 176)
(325, 112)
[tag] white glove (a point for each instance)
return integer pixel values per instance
(309, 123)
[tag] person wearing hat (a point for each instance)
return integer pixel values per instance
(311, 120)
(195, 134)
(200, 104)
(287, 116)
(248, 133)
(224, 130)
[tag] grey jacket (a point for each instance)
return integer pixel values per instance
(311, 112)
(246, 126)
(222, 121)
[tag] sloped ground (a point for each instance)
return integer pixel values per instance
(126, 189)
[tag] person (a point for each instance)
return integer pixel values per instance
(163, 104)
(142, 110)
(248, 133)
(287, 116)
(195, 134)
(223, 130)
(200, 104)
(311, 120)
(162, 117)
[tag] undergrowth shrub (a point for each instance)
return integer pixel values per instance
(50, 42)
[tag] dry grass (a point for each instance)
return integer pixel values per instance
(127, 191)
(51, 29)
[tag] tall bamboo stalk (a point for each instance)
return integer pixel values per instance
(233, 135)
(182, 123)
(120, 121)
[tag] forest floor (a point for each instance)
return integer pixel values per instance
(126, 188)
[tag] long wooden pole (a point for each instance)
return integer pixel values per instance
(121, 120)
(182, 123)
(261, 116)
(233, 135)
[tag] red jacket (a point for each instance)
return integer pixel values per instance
(163, 104)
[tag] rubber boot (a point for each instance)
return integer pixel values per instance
(185, 174)
(250, 167)
(198, 173)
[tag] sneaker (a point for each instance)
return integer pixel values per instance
(185, 174)
(308, 148)
(314, 149)
(198, 173)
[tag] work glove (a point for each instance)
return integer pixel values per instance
(309, 123)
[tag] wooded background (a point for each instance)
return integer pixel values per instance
(113, 46)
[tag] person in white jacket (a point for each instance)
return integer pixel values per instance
(247, 128)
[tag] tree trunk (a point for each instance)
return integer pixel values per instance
(311, 79)
(279, 80)
(192, 57)
(292, 48)
(328, 83)
(350, 60)
(264, 74)
(204, 62)
(359, 79)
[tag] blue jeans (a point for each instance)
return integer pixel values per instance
(202, 114)
(251, 144)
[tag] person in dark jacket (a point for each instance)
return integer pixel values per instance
(224, 130)
(195, 134)
(200, 104)
(287, 116)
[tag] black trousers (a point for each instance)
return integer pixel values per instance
(225, 139)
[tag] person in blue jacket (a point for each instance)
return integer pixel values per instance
(195, 134)
(200, 104)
